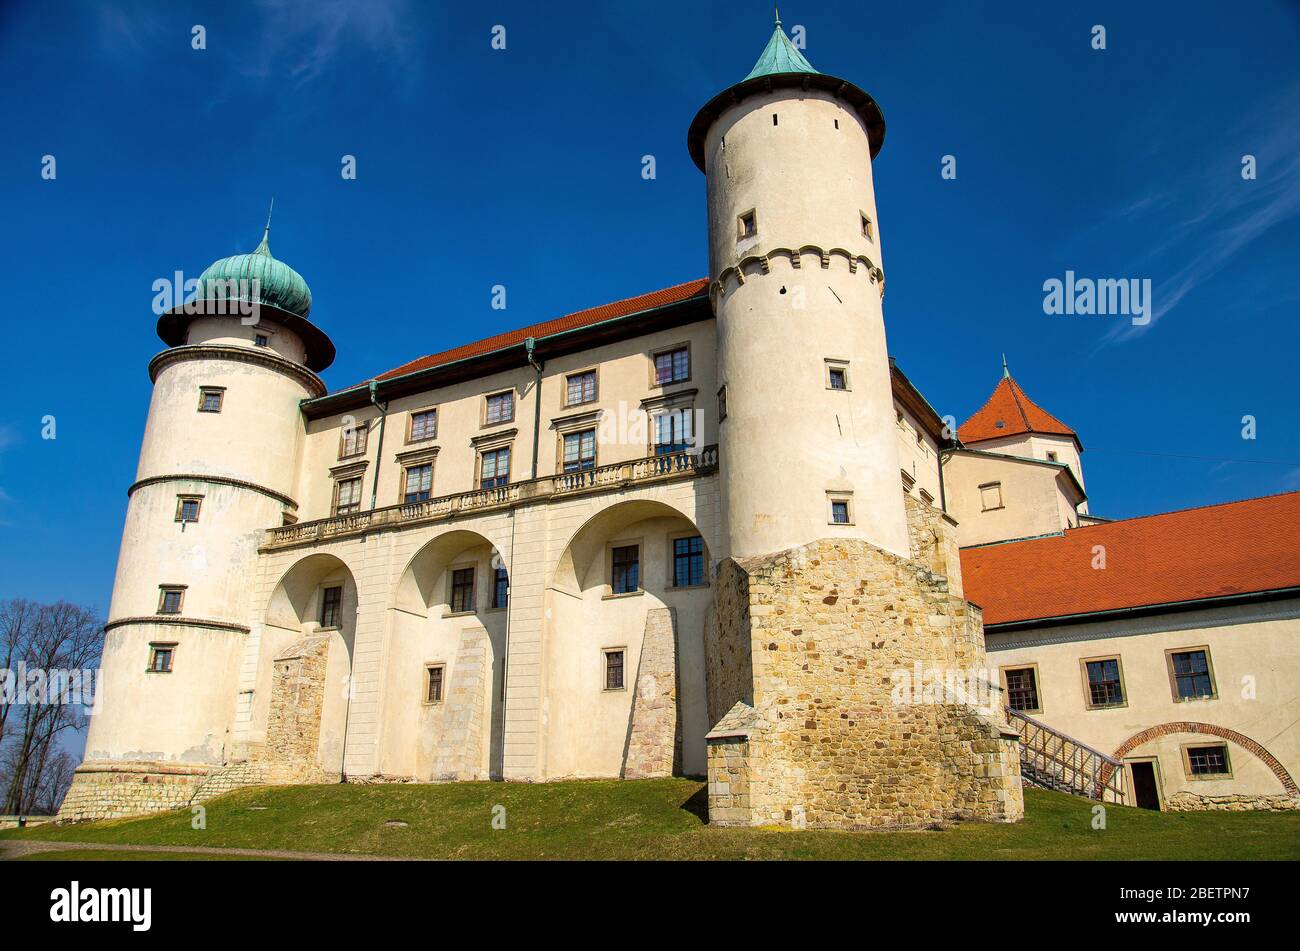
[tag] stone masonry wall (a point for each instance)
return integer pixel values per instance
(459, 746)
(830, 626)
(1193, 802)
(728, 659)
(654, 745)
(292, 750)
(119, 789)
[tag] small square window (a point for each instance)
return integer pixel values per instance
(580, 388)
(424, 425)
(614, 669)
(262, 340)
(991, 496)
(462, 590)
(1022, 689)
(1051, 456)
(500, 408)
(160, 658)
(867, 231)
(840, 511)
(625, 574)
(331, 606)
(170, 599)
(837, 375)
(1208, 761)
(433, 686)
(210, 399)
(1192, 675)
(673, 366)
(187, 509)
(747, 226)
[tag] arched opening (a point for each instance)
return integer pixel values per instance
(304, 688)
(624, 660)
(446, 663)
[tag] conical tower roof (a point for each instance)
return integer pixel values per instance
(1010, 412)
(780, 56)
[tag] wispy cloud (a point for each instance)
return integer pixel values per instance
(1230, 212)
(305, 36)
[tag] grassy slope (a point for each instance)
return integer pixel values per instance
(661, 819)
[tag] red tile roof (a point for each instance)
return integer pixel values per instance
(1233, 548)
(583, 318)
(1017, 413)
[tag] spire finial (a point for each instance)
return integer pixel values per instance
(1006, 374)
(267, 233)
(778, 15)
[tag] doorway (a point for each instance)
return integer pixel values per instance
(1146, 794)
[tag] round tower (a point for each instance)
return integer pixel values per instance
(808, 442)
(217, 468)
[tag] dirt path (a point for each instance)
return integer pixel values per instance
(16, 848)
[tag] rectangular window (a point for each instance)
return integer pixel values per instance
(674, 431)
(626, 569)
(1022, 689)
(688, 561)
(1104, 686)
(331, 607)
(500, 588)
(867, 231)
(462, 590)
(580, 450)
(160, 658)
(494, 468)
(262, 340)
(1192, 676)
(418, 482)
(500, 408)
(614, 670)
(722, 403)
(170, 599)
(187, 509)
(1208, 760)
(424, 425)
(433, 691)
(991, 496)
(580, 388)
(746, 226)
(673, 366)
(840, 511)
(353, 439)
(347, 496)
(210, 399)
(839, 379)
(1051, 456)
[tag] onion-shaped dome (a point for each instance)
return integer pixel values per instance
(276, 284)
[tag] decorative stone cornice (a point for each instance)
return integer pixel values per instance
(214, 480)
(262, 357)
(763, 263)
(179, 620)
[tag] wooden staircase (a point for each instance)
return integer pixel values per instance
(1050, 759)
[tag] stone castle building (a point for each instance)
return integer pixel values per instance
(566, 551)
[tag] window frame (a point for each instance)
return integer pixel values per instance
(166, 589)
(744, 233)
(1087, 682)
(495, 451)
(323, 607)
(1185, 751)
(410, 425)
(182, 501)
(595, 386)
(1002, 502)
(578, 434)
(658, 352)
(339, 482)
(361, 433)
(834, 498)
(510, 391)
(452, 587)
(1038, 687)
(429, 668)
(722, 403)
(497, 602)
(841, 367)
(1209, 672)
(218, 391)
(407, 468)
(681, 410)
(868, 226)
(673, 558)
(605, 654)
(612, 549)
(154, 648)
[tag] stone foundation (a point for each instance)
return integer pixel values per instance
(292, 750)
(826, 629)
(103, 790)
(654, 746)
(1192, 802)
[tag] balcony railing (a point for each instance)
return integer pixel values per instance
(641, 471)
(1051, 759)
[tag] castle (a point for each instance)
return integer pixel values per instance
(700, 531)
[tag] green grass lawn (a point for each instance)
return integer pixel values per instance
(105, 855)
(659, 819)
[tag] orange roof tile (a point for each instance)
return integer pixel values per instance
(583, 318)
(1009, 412)
(1217, 550)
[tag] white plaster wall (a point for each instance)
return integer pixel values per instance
(1034, 498)
(918, 454)
(234, 332)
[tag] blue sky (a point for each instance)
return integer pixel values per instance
(521, 167)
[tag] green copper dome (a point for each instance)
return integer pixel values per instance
(278, 285)
(780, 56)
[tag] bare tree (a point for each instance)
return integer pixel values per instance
(41, 646)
